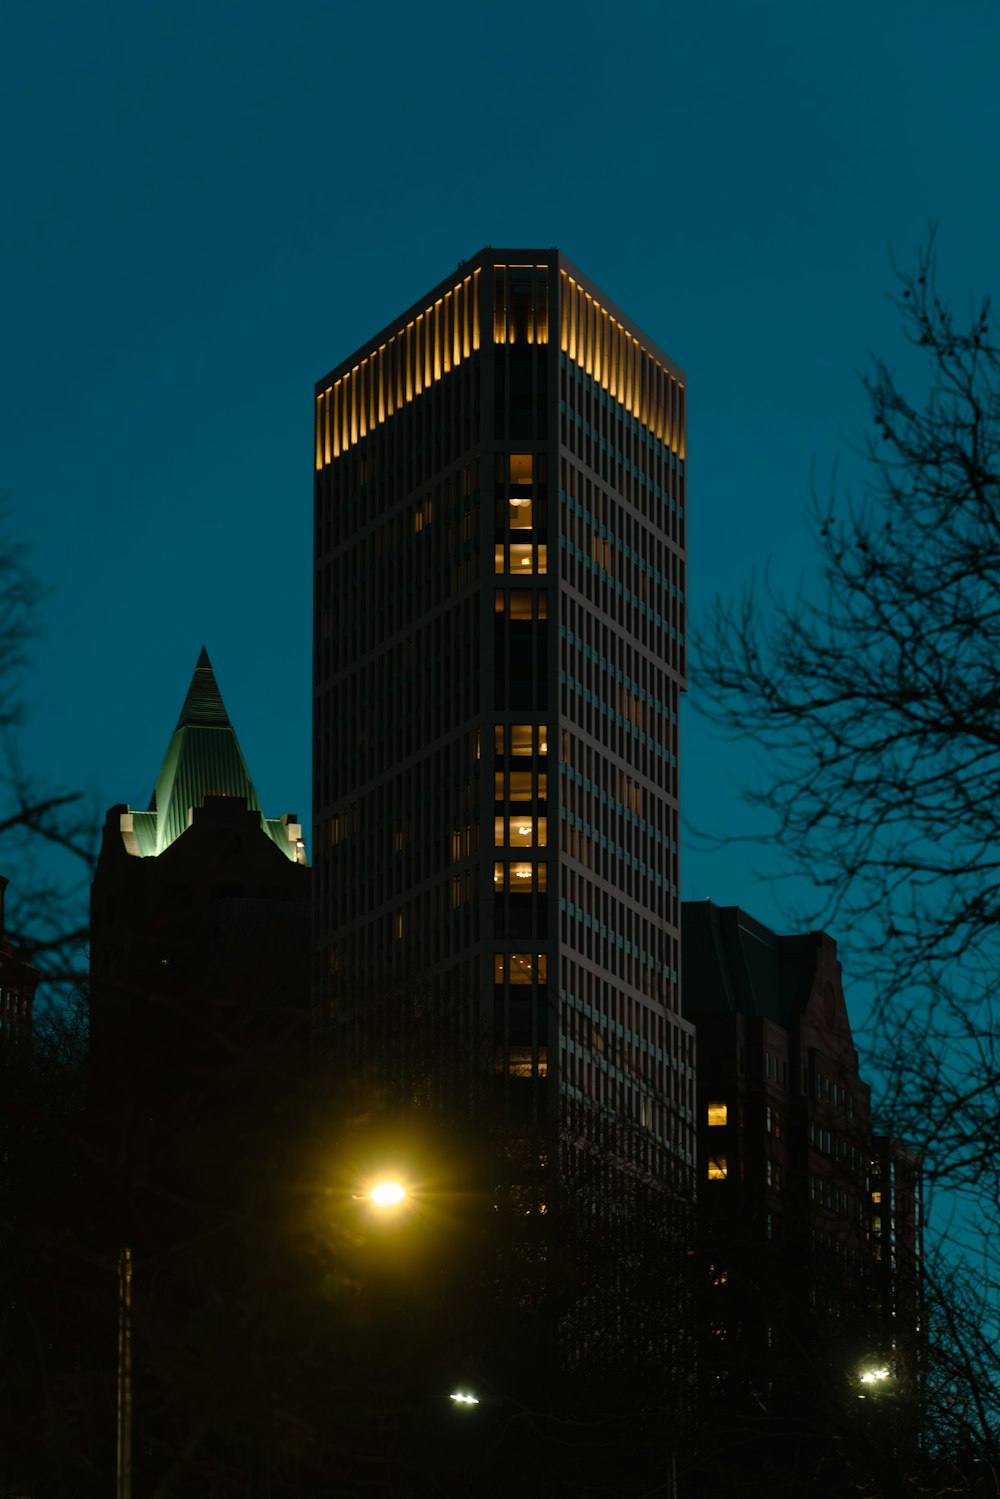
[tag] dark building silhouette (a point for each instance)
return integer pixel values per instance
(198, 1091)
(200, 930)
(797, 1310)
(499, 654)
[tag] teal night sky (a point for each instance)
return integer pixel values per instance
(207, 206)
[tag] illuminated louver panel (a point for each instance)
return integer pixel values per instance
(592, 338)
(401, 369)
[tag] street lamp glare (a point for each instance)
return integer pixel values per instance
(387, 1194)
(461, 1398)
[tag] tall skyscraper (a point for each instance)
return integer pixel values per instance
(499, 654)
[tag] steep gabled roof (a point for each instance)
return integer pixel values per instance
(203, 759)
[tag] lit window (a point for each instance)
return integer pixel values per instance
(498, 961)
(521, 468)
(521, 602)
(398, 925)
(521, 738)
(520, 785)
(498, 738)
(499, 785)
(521, 833)
(877, 1197)
(542, 825)
(499, 839)
(498, 876)
(520, 968)
(521, 513)
(543, 733)
(542, 968)
(520, 1062)
(718, 1168)
(543, 553)
(718, 1113)
(521, 876)
(498, 558)
(520, 558)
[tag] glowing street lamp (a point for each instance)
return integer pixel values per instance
(873, 1380)
(387, 1194)
(462, 1397)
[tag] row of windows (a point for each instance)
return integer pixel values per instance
(620, 1053)
(427, 445)
(372, 589)
(384, 711)
(656, 493)
(604, 538)
(628, 839)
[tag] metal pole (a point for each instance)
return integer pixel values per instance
(124, 1466)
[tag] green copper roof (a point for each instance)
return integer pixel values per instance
(203, 759)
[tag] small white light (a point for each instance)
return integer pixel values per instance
(461, 1398)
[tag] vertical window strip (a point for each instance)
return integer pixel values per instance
(320, 400)
(327, 400)
(437, 340)
(563, 313)
(475, 311)
(499, 306)
(542, 304)
(573, 330)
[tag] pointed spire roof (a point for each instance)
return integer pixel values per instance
(203, 759)
(203, 707)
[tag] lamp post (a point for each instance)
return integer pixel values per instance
(123, 1488)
